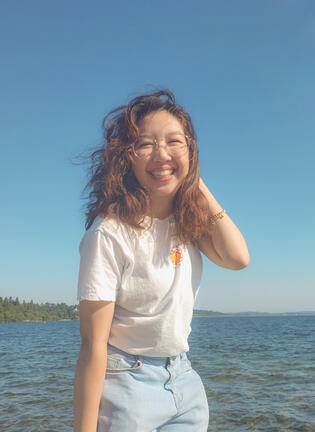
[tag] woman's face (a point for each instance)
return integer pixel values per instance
(163, 173)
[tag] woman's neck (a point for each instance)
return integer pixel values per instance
(160, 209)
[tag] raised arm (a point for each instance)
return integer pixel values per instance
(226, 246)
(95, 323)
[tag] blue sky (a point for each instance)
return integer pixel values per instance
(244, 70)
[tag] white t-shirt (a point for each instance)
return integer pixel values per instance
(153, 280)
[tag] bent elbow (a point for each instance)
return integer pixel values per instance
(241, 262)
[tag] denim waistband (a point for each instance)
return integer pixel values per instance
(146, 359)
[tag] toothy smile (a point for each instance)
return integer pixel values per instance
(163, 173)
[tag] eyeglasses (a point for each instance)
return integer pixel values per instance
(144, 148)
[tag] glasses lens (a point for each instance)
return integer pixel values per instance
(144, 149)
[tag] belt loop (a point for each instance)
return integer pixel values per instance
(167, 362)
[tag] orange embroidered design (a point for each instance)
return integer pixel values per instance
(176, 255)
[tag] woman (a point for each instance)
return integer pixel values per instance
(148, 218)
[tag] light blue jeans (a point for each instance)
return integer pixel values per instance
(151, 394)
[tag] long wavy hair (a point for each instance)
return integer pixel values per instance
(113, 189)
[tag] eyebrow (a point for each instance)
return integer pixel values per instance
(169, 133)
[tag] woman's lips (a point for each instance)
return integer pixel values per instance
(162, 175)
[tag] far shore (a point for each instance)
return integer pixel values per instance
(205, 315)
(253, 315)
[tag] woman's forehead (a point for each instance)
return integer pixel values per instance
(160, 122)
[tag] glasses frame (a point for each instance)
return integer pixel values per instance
(132, 147)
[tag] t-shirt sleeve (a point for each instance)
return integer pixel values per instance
(101, 267)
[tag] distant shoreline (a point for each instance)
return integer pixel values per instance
(67, 319)
(253, 315)
(214, 315)
(14, 310)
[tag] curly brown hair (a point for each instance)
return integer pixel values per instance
(114, 189)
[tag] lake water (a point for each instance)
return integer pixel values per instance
(259, 373)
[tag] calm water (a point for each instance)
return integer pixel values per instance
(259, 373)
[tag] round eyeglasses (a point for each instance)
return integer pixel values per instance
(145, 148)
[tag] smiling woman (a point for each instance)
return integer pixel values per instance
(149, 216)
(139, 139)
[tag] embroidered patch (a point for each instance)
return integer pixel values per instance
(176, 255)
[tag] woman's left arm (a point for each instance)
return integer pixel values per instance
(226, 246)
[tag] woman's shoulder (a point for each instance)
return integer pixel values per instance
(105, 224)
(113, 227)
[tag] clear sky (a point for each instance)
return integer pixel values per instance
(244, 70)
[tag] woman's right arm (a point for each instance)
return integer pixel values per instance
(95, 323)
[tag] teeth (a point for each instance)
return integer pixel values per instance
(161, 173)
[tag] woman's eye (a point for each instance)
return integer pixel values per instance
(144, 144)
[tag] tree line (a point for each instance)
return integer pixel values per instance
(13, 311)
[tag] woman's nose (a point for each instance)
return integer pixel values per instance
(161, 153)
